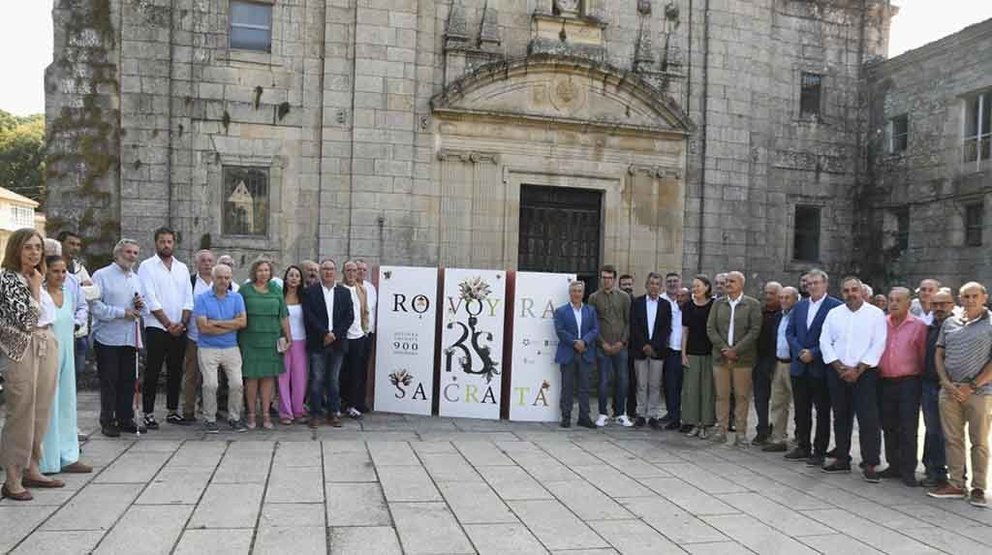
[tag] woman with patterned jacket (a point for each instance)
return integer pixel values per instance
(30, 354)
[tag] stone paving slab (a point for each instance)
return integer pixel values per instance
(409, 484)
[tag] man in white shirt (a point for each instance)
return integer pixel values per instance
(354, 376)
(202, 281)
(852, 343)
(372, 300)
(673, 372)
(170, 301)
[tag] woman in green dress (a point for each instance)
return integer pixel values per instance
(268, 328)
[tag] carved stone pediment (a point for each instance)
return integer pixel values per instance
(565, 90)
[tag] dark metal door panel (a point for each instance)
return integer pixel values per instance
(560, 231)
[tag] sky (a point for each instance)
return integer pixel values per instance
(26, 40)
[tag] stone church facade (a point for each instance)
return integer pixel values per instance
(555, 135)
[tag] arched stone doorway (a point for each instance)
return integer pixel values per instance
(559, 122)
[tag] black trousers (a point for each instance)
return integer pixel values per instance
(809, 393)
(354, 374)
(899, 400)
(858, 399)
(115, 367)
(631, 386)
(761, 383)
(163, 347)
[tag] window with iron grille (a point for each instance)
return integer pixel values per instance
(806, 234)
(246, 201)
(973, 216)
(977, 126)
(251, 26)
(810, 95)
(898, 133)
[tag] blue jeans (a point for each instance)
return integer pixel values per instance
(325, 376)
(82, 347)
(579, 370)
(848, 400)
(613, 366)
(672, 376)
(934, 458)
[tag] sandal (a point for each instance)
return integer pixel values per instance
(267, 423)
(43, 484)
(286, 421)
(250, 421)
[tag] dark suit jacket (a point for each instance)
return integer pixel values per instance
(800, 337)
(315, 316)
(565, 328)
(639, 327)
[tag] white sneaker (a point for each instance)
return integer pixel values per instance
(693, 432)
(624, 421)
(602, 420)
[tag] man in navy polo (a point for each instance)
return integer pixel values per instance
(219, 314)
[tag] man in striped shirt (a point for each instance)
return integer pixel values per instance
(964, 365)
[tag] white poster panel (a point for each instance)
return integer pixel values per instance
(535, 381)
(472, 343)
(405, 332)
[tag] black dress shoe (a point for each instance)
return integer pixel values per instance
(798, 455)
(761, 438)
(673, 425)
(566, 422)
(837, 467)
(686, 428)
(132, 428)
(666, 418)
(110, 430)
(654, 423)
(891, 472)
(732, 427)
(586, 423)
(774, 448)
(817, 460)
(640, 422)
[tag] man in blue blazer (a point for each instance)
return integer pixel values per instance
(577, 329)
(327, 341)
(808, 373)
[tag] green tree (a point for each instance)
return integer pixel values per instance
(22, 154)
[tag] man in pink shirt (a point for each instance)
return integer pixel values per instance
(900, 369)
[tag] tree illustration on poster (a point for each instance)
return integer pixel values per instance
(535, 381)
(472, 343)
(404, 370)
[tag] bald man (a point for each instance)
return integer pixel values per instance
(900, 369)
(765, 363)
(964, 365)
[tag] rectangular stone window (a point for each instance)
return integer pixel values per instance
(806, 234)
(973, 216)
(810, 94)
(977, 126)
(246, 201)
(898, 133)
(251, 26)
(902, 228)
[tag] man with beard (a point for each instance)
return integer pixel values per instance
(852, 344)
(116, 336)
(170, 301)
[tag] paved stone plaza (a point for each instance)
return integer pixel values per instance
(396, 484)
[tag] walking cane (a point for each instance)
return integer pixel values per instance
(137, 397)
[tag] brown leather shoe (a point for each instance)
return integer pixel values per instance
(334, 420)
(77, 467)
(313, 422)
(22, 496)
(42, 484)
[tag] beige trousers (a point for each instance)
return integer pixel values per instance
(976, 412)
(211, 360)
(30, 390)
(727, 377)
(780, 401)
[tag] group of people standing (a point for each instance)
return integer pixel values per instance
(306, 333)
(708, 352)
